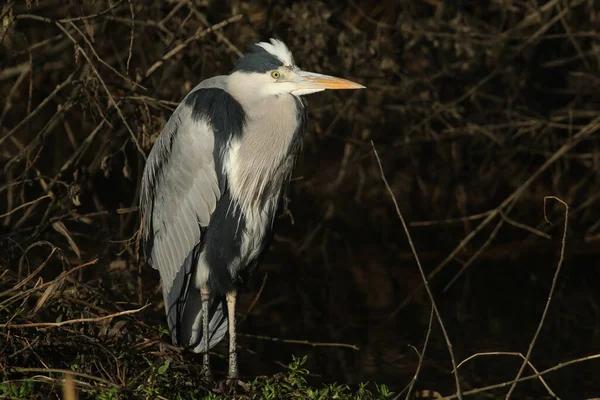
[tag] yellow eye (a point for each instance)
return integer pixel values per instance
(275, 74)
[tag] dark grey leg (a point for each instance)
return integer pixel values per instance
(205, 292)
(233, 363)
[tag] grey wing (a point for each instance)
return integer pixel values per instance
(179, 192)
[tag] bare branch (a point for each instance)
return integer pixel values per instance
(71, 321)
(552, 288)
(423, 276)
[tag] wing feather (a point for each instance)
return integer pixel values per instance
(181, 186)
(180, 190)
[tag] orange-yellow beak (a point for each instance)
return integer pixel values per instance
(310, 82)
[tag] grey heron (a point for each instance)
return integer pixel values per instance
(212, 184)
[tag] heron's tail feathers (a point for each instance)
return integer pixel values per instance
(190, 329)
(184, 311)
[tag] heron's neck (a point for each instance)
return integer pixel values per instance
(261, 156)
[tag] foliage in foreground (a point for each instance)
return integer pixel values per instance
(290, 385)
(293, 384)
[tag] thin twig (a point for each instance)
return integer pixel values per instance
(63, 275)
(62, 372)
(452, 220)
(526, 378)
(220, 36)
(131, 35)
(24, 205)
(249, 310)
(195, 37)
(71, 321)
(552, 288)
(423, 276)
(421, 357)
(110, 96)
(524, 227)
(507, 353)
(11, 92)
(107, 65)
(43, 133)
(305, 342)
(47, 100)
(479, 251)
(91, 16)
(38, 269)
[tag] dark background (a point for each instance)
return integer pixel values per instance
(476, 109)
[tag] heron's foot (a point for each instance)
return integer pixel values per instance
(207, 375)
(234, 385)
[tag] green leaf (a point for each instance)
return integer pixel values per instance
(163, 368)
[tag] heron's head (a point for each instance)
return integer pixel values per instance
(268, 69)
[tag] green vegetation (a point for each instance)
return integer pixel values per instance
(163, 382)
(22, 389)
(293, 384)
